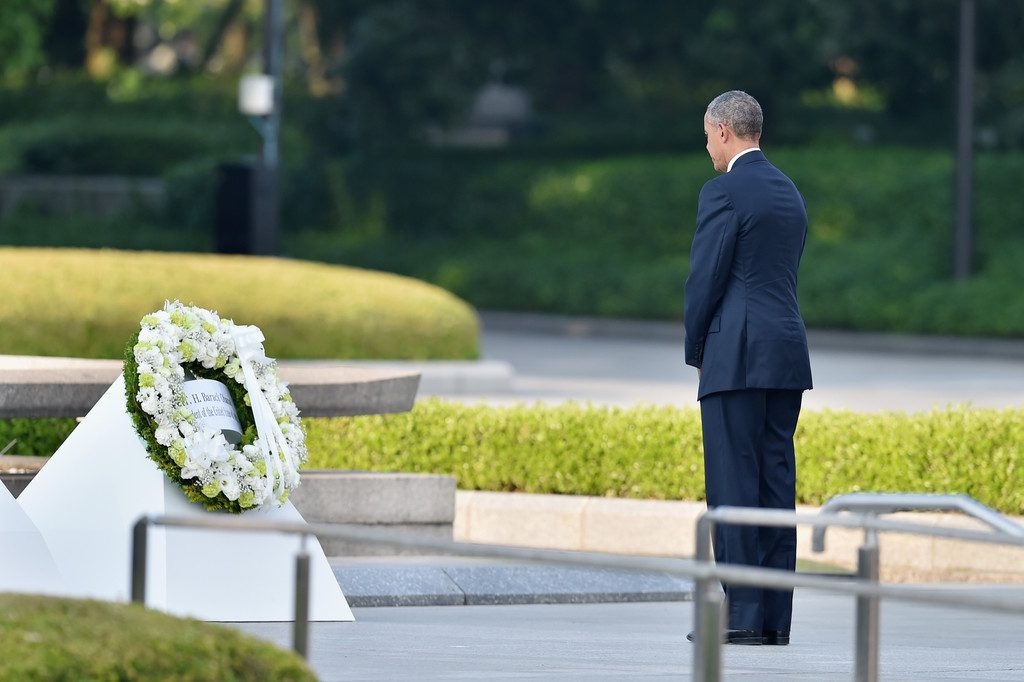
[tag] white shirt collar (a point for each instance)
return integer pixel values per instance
(745, 151)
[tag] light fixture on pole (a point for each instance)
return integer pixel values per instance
(255, 185)
(256, 94)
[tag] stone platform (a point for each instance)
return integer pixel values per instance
(33, 386)
(668, 528)
(463, 581)
(16, 471)
(420, 504)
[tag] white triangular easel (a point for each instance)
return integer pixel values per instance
(97, 485)
(26, 564)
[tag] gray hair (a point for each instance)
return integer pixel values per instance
(739, 111)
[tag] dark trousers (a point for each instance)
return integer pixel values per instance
(749, 462)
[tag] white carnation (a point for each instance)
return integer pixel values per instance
(230, 487)
(164, 435)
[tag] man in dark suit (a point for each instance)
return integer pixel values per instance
(745, 336)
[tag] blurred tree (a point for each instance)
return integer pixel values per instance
(409, 66)
(108, 39)
(906, 49)
(22, 27)
(389, 71)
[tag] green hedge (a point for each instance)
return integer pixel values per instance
(36, 436)
(611, 236)
(88, 303)
(655, 452)
(109, 146)
(34, 226)
(45, 638)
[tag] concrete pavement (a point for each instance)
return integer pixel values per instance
(616, 362)
(628, 371)
(646, 641)
(469, 581)
(672, 330)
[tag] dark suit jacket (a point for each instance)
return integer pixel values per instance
(743, 324)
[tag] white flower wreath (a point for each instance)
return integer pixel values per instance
(262, 466)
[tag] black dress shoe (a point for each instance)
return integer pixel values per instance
(748, 637)
(775, 637)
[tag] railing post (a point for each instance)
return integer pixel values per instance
(867, 627)
(300, 631)
(708, 655)
(140, 536)
(708, 613)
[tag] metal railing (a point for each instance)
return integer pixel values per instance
(355, 533)
(888, 503)
(868, 555)
(709, 601)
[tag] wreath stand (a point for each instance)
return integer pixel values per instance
(97, 485)
(26, 564)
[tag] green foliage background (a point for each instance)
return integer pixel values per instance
(48, 638)
(611, 236)
(590, 208)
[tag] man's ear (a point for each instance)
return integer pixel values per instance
(724, 132)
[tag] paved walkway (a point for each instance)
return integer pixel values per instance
(646, 641)
(467, 581)
(622, 363)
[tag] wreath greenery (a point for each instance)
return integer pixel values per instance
(259, 470)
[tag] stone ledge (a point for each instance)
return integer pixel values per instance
(419, 504)
(17, 471)
(21, 464)
(667, 528)
(450, 581)
(32, 386)
(333, 496)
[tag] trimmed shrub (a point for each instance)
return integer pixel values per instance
(35, 436)
(656, 452)
(88, 303)
(46, 638)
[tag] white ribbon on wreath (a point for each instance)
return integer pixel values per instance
(273, 446)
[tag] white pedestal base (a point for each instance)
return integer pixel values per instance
(26, 564)
(96, 486)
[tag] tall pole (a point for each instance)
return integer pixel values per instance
(273, 59)
(963, 237)
(267, 182)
